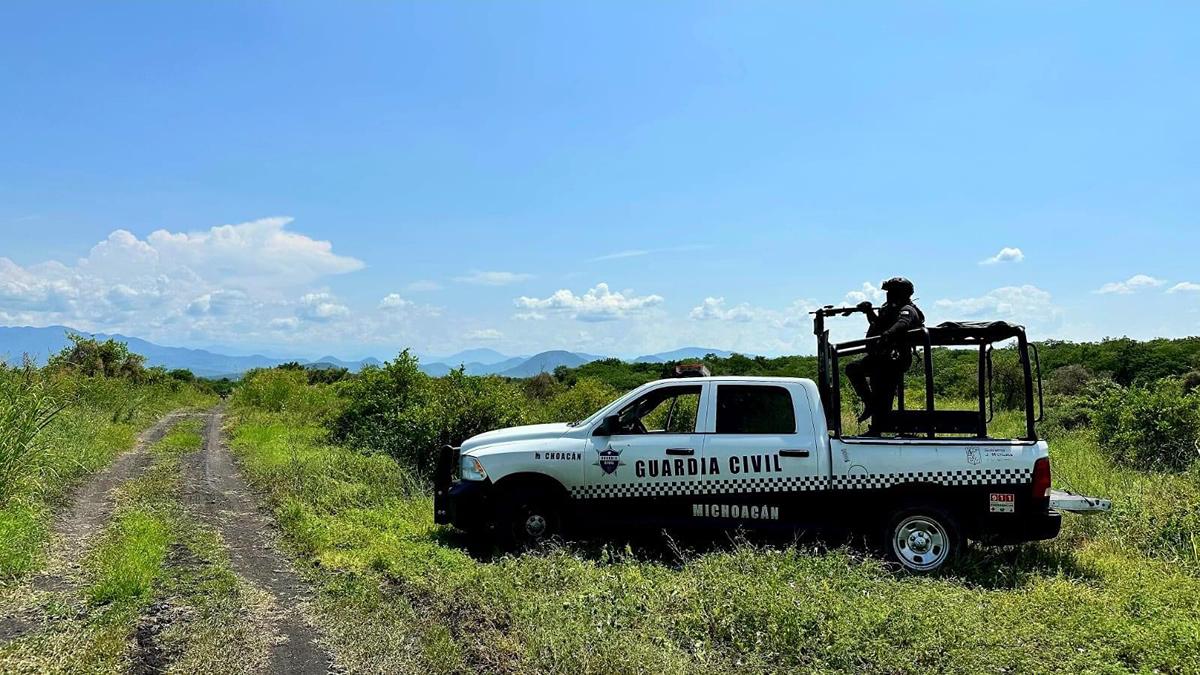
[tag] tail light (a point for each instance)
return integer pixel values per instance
(1041, 478)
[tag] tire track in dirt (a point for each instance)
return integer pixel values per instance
(90, 508)
(214, 491)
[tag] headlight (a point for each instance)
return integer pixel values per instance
(472, 469)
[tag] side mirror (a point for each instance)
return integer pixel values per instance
(609, 426)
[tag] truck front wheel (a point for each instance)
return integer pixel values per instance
(922, 538)
(527, 519)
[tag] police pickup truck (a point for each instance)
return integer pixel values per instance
(748, 452)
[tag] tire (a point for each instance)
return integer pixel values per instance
(922, 539)
(527, 519)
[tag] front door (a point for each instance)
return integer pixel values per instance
(764, 445)
(644, 471)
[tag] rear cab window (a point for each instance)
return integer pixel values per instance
(755, 409)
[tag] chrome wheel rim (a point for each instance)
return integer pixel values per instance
(921, 543)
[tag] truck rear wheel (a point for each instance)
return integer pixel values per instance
(922, 538)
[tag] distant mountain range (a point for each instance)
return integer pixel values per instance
(41, 343)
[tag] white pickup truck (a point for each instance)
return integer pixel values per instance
(733, 452)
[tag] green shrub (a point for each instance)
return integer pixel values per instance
(586, 397)
(1151, 427)
(288, 391)
(399, 410)
(1070, 380)
(92, 358)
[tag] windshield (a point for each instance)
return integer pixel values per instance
(590, 418)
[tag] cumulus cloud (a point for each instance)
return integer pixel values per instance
(394, 301)
(597, 304)
(480, 278)
(219, 282)
(869, 292)
(1185, 287)
(217, 303)
(714, 309)
(1136, 282)
(1024, 303)
(321, 307)
(484, 334)
(1005, 255)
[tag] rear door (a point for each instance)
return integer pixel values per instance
(762, 456)
(645, 471)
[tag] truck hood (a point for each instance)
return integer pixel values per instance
(525, 433)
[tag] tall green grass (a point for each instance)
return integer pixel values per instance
(28, 405)
(80, 440)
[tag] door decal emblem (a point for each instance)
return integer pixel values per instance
(608, 459)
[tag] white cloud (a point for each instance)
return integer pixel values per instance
(529, 316)
(480, 278)
(287, 323)
(869, 293)
(597, 304)
(1024, 303)
(632, 253)
(321, 307)
(225, 283)
(423, 286)
(216, 303)
(1006, 254)
(639, 252)
(257, 250)
(714, 309)
(394, 301)
(483, 334)
(1133, 283)
(1185, 287)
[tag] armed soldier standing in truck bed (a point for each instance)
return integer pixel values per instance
(877, 375)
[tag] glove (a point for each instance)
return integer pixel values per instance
(864, 305)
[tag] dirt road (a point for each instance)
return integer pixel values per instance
(216, 493)
(212, 496)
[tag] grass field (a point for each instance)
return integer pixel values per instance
(1119, 592)
(161, 586)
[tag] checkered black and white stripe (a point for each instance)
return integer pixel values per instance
(801, 483)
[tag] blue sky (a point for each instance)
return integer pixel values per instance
(354, 178)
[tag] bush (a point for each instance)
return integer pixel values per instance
(586, 397)
(91, 358)
(288, 391)
(1067, 413)
(1151, 427)
(399, 410)
(1069, 380)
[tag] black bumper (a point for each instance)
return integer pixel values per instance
(461, 503)
(1038, 528)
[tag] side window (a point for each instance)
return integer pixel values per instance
(664, 410)
(754, 409)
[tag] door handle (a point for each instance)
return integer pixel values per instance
(680, 451)
(794, 452)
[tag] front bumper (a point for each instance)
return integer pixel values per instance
(461, 503)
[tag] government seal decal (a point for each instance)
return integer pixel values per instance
(608, 459)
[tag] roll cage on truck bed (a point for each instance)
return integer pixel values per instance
(931, 422)
(771, 452)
